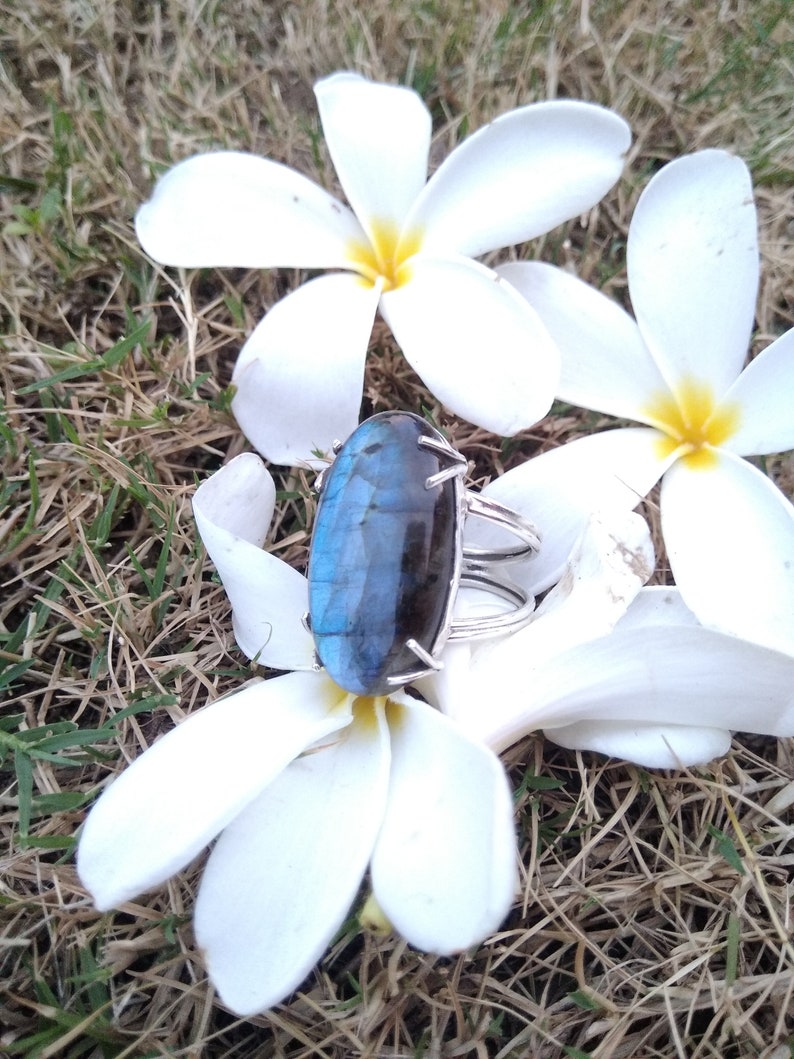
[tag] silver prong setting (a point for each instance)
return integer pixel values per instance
(423, 655)
(455, 470)
(430, 664)
(457, 464)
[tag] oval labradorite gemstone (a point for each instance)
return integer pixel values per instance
(383, 554)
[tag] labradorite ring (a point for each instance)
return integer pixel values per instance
(387, 556)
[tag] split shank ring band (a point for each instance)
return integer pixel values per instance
(387, 556)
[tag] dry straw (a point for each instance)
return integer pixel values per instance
(655, 914)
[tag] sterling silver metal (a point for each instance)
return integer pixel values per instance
(493, 511)
(475, 567)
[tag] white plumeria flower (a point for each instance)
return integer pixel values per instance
(693, 275)
(642, 680)
(405, 247)
(307, 786)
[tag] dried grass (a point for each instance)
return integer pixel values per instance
(655, 914)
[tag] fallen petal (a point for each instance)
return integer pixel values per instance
(729, 534)
(692, 258)
(285, 872)
(670, 746)
(560, 490)
(520, 176)
(648, 671)
(233, 510)
(444, 866)
(227, 209)
(176, 797)
(378, 136)
(475, 342)
(606, 365)
(300, 375)
(765, 394)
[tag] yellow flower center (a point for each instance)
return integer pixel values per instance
(386, 256)
(366, 710)
(369, 710)
(694, 424)
(374, 919)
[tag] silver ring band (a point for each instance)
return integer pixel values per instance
(492, 624)
(491, 510)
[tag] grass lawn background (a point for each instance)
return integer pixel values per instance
(655, 918)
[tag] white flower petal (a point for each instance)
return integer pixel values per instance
(520, 176)
(232, 210)
(611, 562)
(658, 605)
(448, 687)
(604, 573)
(608, 566)
(670, 746)
(648, 674)
(693, 267)
(765, 394)
(729, 534)
(240, 499)
(233, 510)
(173, 799)
(606, 365)
(444, 866)
(300, 375)
(560, 489)
(284, 874)
(475, 342)
(379, 138)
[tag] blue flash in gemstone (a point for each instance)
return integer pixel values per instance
(385, 552)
